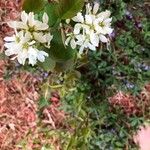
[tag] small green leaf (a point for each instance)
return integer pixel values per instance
(43, 102)
(119, 144)
(48, 64)
(46, 91)
(64, 66)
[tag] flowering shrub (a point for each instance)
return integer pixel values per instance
(32, 36)
(83, 52)
(90, 28)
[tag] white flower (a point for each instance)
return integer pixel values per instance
(90, 29)
(29, 23)
(71, 40)
(29, 35)
(23, 48)
(84, 42)
(102, 23)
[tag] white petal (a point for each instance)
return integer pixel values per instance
(77, 28)
(32, 56)
(88, 9)
(9, 45)
(78, 18)
(39, 37)
(12, 24)
(107, 21)
(9, 52)
(32, 61)
(80, 39)
(21, 25)
(32, 42)
(81, 49)
(73, 44)
(105, 14)
(98, 29)
(45, 18)
(103, 38)
(86, 28)
(27, 37)
(40, 26)
(41, 56)
(94, 39)
(24, 17)
(86, 43)
(10, 39)
(67, 21)
(90, 46)
(13, 50)
(108, 30)
(88, 19)
(98, 20)
(22, 56)
(31, 19)
(20, 34)
(48, 38)
(95, 8)
(67, 40)
(17, 25)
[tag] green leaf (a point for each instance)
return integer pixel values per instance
(119, 144)
(69, 8)
(58, 51)
(52, 13)
(33, 5)
(48, 64)
(43, 102)
(46, 90)
(64, 66)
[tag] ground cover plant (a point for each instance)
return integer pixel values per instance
(74, 75)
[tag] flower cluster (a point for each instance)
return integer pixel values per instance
(90, 28)
(30, 34)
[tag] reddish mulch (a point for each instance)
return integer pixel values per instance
(132, 105)
(125, 101)
(18, 106)
(19, 95)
